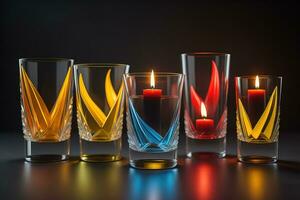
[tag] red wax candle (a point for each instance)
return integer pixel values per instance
(204, 124)
(152, 93)
(256, 96)
(152, 104)
(256, 101)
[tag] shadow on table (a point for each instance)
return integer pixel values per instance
(72, 159)
(289, 165)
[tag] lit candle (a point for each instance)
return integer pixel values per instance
(152, 93)
(204, 124)
(152, 103)
(256, 101)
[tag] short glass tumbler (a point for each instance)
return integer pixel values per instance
(206, 89)
(257, 117)
(153, 112)
(100, 107)
(46, 107)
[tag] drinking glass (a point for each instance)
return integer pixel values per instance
(205, 116)
(153, 111)
(100, 97)
(257, 117)
(46, 107)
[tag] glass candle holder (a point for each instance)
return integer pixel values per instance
(100, 97)
(257, 117)
(206, 89)
(153, 111)
(46, 107)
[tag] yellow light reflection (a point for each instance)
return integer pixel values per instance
(94, 181)
(258, 182)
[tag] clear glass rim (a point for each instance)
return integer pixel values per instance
(45, 59)
(205, 53)
(259, 76)
(156, 74)
(100, 65)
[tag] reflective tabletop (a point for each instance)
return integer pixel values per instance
(205, 178)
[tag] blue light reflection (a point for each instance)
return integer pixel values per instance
(153, 184)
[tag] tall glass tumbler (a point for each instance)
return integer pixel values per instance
(205, 117)
(46, 107)
(257, 117)
(100, 106)
(153, 111)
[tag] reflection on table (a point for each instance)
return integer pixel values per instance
(193, 179)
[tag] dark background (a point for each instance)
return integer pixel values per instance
(262, 38)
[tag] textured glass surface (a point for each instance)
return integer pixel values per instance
(206, 89)
(258, 108)
(153, 124)
(100, 96)
(46, 98)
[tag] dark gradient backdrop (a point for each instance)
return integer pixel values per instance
(262, 37)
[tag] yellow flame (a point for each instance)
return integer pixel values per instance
(203, 110)
(256, 82)
(152, 80)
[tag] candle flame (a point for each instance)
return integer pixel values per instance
(203, 110)
(152, 80)
(256, 82)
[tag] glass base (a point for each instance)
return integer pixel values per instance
(100, 151)
(257, 152)
(47, 151)
(206, 148)
(145, 160)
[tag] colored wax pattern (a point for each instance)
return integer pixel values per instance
(204, 121)
(266, 128)
(40, 124)
(158, 132)
(93, 123)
